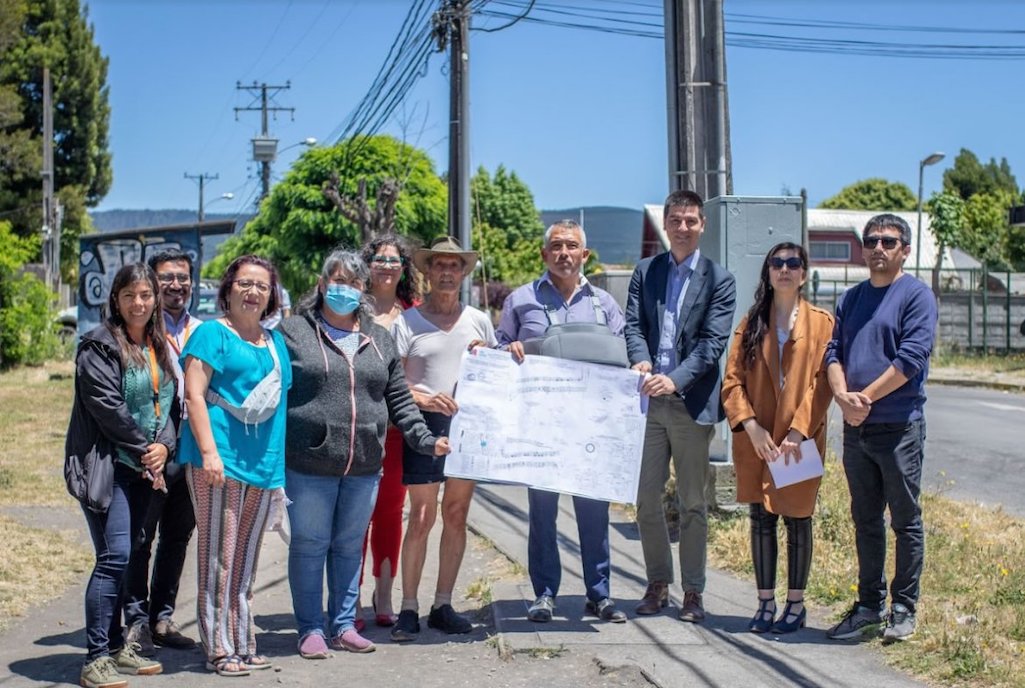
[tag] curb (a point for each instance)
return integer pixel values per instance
(988, 384)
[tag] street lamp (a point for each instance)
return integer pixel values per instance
(227, 196)
(931, 160)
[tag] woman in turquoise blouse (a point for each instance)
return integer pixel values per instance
(237, 376)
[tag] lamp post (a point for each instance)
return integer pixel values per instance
(223, 197)
(931, 160)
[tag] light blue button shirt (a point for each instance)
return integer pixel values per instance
(676, 288)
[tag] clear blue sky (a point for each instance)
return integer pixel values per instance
(579, 115)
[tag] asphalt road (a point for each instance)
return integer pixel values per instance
(974, 447)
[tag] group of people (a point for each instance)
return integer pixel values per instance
(344, 409)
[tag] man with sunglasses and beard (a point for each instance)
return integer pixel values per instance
(150, 600)
(877, 363)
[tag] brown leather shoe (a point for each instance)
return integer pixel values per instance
(692, 610)
(655, 597)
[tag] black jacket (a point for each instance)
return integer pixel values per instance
(337, 412)
(100, 421)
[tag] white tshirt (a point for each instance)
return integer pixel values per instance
(432, 355)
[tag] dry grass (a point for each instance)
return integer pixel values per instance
(971, 618)
(36, 403)
(36, 565)
(977, 362)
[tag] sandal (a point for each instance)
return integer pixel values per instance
(256, 662)
(231, 665)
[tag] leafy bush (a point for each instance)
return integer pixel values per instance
(28, 328)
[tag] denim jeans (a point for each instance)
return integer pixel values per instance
(328, 517)
(111, 533)
(883, 463)
(152, 599)
(543, 544)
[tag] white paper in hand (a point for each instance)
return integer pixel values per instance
(810, 466)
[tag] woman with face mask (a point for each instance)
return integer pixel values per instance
(348, 384)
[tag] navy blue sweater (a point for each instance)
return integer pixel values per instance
(877, 327)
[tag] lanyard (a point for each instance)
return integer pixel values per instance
(185, 340)
(154, 376)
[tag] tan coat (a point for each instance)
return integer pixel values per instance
(801, 404)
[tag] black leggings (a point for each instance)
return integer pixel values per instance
(764, 548)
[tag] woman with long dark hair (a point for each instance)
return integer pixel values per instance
(776, 396)
(393, 289)
(122, 431)
(349, 384)
(237, 376)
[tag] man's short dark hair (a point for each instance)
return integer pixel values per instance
(889, 221)
(683, 198)
(171, 254)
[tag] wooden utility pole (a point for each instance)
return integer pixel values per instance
(51, 206)
(452, 28)
(265, 147)
(201, 179)
(698, 107)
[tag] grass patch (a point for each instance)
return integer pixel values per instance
(36, 565)
(980, 362)
(971, 615)
(480, 590)
(36, 404)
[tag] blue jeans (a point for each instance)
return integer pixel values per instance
(543, 544)
(112, 539)
(883, 463)
(329, 518)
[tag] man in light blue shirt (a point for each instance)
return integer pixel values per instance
(563, 295)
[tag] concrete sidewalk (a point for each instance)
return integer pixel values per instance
(46, 647)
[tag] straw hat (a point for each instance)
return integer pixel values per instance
(445, 246)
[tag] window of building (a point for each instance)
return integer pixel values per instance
(829, 250)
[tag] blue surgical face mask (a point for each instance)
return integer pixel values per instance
(342, 299)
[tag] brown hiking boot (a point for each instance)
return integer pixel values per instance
(692, 610)
(655, 598)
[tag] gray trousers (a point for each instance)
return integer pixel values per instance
(672, 433)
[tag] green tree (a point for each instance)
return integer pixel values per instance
(968, 177)
(947, 213)
(873, 194)
(55, 34)
(297, 225)
(28, 329)
(985, 227)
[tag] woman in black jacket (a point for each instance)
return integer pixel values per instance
(122, 431)
(347, 383)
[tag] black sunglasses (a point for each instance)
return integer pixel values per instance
(792, 262)
(888, 242)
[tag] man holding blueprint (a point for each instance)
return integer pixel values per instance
(563, 295)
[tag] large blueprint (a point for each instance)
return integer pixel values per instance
(549, 423)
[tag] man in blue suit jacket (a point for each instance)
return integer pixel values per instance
(679, 316)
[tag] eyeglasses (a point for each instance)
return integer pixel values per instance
(888, 242)
(247, 284)
(170, 277)
(386, 262)
(792, 263)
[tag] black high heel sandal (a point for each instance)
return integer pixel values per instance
(761, 624)
(784, 623)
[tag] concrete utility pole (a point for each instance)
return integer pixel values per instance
(698, 107)
(201, 179)
(51, 206)
(265, 147)
(452, 28)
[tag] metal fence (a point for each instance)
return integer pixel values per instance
(978, 309)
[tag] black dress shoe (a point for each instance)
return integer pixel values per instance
(605, 609)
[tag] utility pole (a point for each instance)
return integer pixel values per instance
(452, 28)
(699, 149)
(265, 147)
(51, 206)
(201, 179)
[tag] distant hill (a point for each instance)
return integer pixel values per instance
(615, 233)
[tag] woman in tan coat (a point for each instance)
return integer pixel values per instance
(776, 396)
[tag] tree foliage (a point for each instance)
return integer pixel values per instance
(507, 227)
(985, 226)
(28, 329)
(873, 194)
(54, 34)
(968, 177)
(297, 226)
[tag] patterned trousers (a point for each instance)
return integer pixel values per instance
(230, 522)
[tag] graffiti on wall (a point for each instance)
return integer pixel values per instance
(101, 256)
